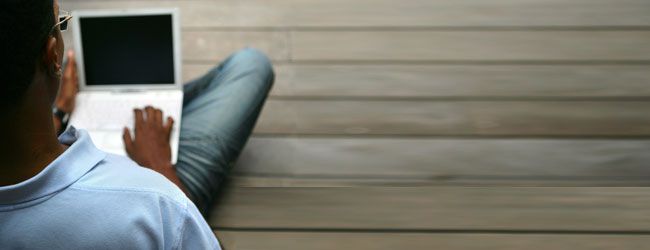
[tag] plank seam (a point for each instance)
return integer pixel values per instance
(415, 28)
(448, 177)
(460, 98)
(432, 231)
(443, 137)
(289, 37)
(445, 62)
(637, 137)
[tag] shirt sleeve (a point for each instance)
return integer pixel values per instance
(195, 232)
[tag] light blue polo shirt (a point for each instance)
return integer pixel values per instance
(88, 199)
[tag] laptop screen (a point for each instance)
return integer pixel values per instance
(124, 50)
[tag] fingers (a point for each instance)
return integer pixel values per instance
(70, 68)
(150, 112)
(71, 58)
(70, 74)
(151, 116)
(157, 118)
(139, 119)
(154, 117)
(169, 127)
(128, 141)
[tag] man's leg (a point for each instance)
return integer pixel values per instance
(220, 110)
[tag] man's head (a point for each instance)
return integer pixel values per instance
(30, 48)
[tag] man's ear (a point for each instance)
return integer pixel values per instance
(51, 56)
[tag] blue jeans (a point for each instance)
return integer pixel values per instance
(220, 110)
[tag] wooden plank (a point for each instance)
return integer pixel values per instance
(385, 13)
(457, 118)
(323, 181)
(482, 81)
(404, 160)
(233, 240)
(217, 45)
(195, 70)
(470, 45)
(441, 208)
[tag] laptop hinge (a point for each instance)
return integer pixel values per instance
(128, 91)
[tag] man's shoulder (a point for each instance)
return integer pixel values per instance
(133, 206)
(120, 174)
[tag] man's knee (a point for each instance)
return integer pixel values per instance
(254, 62)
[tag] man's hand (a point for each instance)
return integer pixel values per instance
(150, 148)
(65, 100)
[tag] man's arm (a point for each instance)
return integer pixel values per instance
(150, 148)
(65, 100)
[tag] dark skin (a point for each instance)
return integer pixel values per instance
(31, 143)
(65, 100)
(150, 147)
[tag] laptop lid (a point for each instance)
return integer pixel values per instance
(128, 49)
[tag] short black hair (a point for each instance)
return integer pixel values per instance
(24, 29)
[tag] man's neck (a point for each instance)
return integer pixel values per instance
(29, 141)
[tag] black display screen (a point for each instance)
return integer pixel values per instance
(128, 50)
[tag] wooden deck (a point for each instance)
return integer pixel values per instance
(435, 124)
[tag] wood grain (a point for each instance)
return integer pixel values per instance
(471, 81)
(470, 45)
(443, 160)
(324, 181)
(215, 46)
(457, 118)
(505, 208)
(234, 240)
(385, 13)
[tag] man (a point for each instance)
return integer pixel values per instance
(66, 194)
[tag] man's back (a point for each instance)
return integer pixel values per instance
(87, 199)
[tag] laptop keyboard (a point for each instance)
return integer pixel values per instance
(105, 114)
(108, 111)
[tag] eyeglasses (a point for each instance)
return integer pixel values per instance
(64, 17)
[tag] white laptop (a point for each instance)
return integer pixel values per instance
(126, 59)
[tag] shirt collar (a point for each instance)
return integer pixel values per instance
(76, 161)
